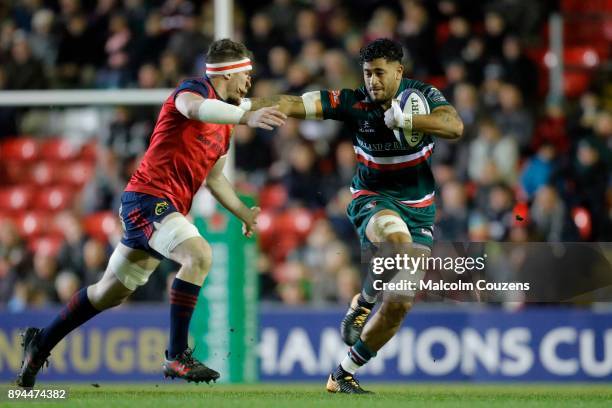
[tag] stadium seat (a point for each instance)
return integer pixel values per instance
(53, 199)
(521, 214)
(47, 244)
(58, 149)
(101, 224)
(584, 224)
(44, 173)
(590, 6)
(439, 81)
(582, 56)
(575, 83)
(273, 196)
(265, 230)
(15, 172)
(16, 198)
(296, 222)
(442, 33)
(76, 173)
(19, 149)
(31, 223)
(89, 151)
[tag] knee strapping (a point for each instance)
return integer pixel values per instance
(389, 224)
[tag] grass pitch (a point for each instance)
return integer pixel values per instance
(314, 395)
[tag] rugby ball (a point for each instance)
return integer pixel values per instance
(411, 100)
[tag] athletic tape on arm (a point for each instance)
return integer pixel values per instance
(245, 104)
(214, 111)
(310, 106)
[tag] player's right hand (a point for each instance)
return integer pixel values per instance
(264, 118)
(250, 222)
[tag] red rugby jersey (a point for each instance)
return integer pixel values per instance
(181, 151)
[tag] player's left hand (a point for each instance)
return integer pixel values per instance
(250, 222)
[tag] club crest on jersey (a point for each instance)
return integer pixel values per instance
(161, 207)
(414, 140)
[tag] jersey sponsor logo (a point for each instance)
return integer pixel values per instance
(334, 98)
(214, 142)
(365, 127)
(379, 147)
(161, 207)
(393, 162)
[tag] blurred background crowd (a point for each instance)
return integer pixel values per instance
(528, 168)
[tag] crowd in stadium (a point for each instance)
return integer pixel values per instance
(527, 168)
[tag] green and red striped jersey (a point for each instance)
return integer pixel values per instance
(400, 170)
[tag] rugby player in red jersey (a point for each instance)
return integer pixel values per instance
(188, 145)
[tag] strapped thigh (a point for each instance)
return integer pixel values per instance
(171, 233)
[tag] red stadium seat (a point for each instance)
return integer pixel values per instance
(19, 149)
(442, 33)
(89, 151)
(581, 56)
(53, 199)
(15, 172)
(575, 83)
(44, 173)
(295, 222)
(590, 6)
(76, 173)
(31, 223)
(46, 244)
(521, 214)
(265, 230)
(16, 198)
(439, 81)
(273, 196)
(584, 223)
(101, 224)
(58, 149)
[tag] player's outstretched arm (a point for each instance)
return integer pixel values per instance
(194, 106)
(443, 121)
(307, 106)
(222, 190)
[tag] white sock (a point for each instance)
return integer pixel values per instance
(349, 365)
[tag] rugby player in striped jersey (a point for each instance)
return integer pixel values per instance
(393, 188)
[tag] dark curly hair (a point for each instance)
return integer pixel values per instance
(226, 50)
(381, 48)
